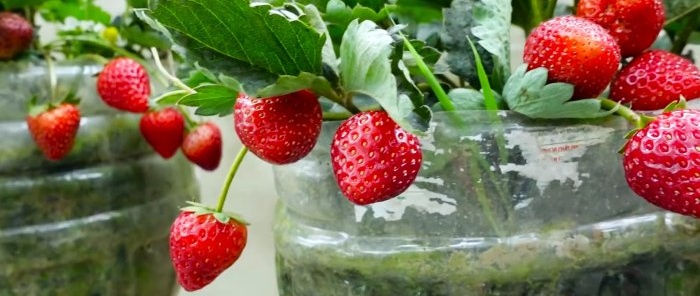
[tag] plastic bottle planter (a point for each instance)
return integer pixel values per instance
(503, 206)
(95, 223)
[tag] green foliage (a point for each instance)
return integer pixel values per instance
(84, 10)
(243, 33)
(528, 93)
(487, 22)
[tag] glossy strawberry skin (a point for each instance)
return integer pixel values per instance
(164, 130)
(124, 84)
(576, 51)
(16, 34)
(373, 158)
(635, 24)
(203, 145)
(279, 130)
(202, 247)
(654, 79)
(54, 130)
(662, 162)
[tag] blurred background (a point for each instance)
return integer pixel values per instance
(253, 196)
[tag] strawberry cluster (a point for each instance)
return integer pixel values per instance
(662, 157)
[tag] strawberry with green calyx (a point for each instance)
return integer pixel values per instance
(660, 158)
(204, 242)
(281, 129)
(654, 79)
(124, 84)
(164, 130)
(576, 51)
(16, 34)
(54, 128)
(635, 24)
(203, 145)
(373, 158)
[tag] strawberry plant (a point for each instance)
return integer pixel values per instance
(392, 78)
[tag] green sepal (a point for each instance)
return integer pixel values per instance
(676, 105)
(199, 209)
(71, 98)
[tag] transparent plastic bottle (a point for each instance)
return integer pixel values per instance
(503, 205)
(96, 222)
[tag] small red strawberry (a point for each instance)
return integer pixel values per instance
(16, 34)
(204, 244)
(635, 24)
(373, 158)
(654, 79)
(576, 51)
(662, 162)
(279, 130)
(124, 84)
(53, 129)
(202, 146)
(164, 130)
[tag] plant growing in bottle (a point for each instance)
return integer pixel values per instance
(381, 95)
(398, 98)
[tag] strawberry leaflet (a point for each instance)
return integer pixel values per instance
(528, 93)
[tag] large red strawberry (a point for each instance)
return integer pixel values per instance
(662, 162)
(654, 79)
(576, 51)
(279, 130)
(203, 145)
(54, 129)
(16, 35)
(124, 84)
(204, 244)
(163, 130)
(373, 158)
(635, 24)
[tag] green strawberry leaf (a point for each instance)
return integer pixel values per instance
(470, 99)
(339, 14)
(487, 22)
(328, 56)
(528, 93)
(677, 9)
(212, 99)
(171, 98)
(365, 69)
(278, 45)
(85, 10)
(288, 84)
(14, 4)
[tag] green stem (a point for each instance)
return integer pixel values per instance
(440, 93)
(189, 122)
(174, 80)
(53, 81)
(623, 111)
(335, 116)
(231, 173)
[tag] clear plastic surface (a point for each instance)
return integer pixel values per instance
(503, 205)
(96, 222)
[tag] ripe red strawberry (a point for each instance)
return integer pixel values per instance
(576, 51)
(635, 24)
(164, 130)
(202, 146)
(373, 158)
(54, 129)
(662, 162)
(124, 84)
(279, 130)
(203, 245)
(654, 79)
(16, 34)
